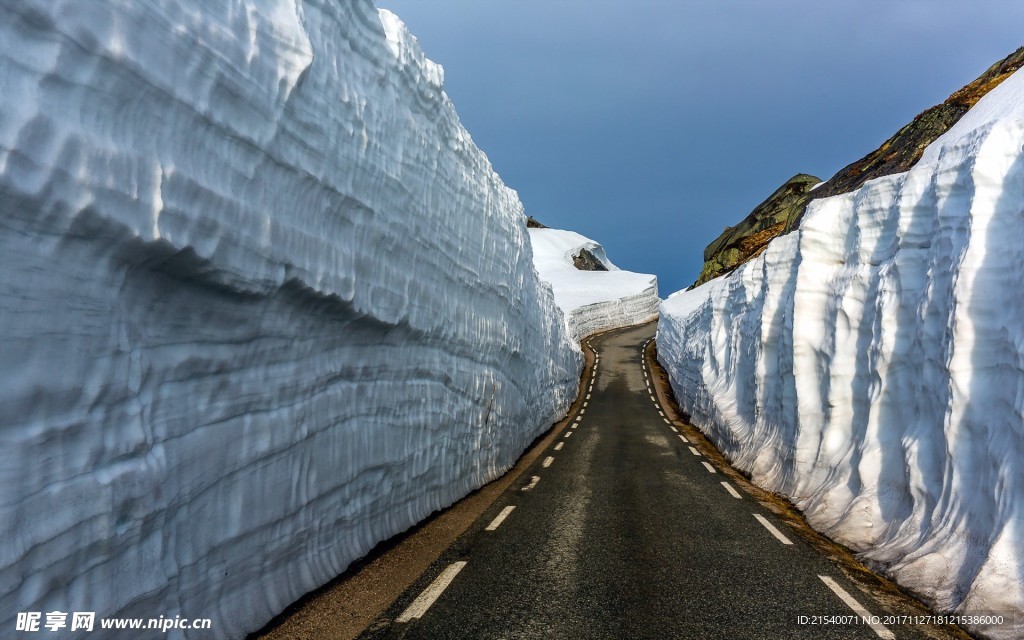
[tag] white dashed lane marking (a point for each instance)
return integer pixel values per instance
(732, 492)
(420, 605)
(501, 518)
(707, 465)
(694, 451)
(771, 528)
(558, 447)
(683, 438)
(880, 630)
(547, 461)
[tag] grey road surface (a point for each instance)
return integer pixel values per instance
(622, 530)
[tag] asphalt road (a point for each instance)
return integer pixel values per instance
(622, 530)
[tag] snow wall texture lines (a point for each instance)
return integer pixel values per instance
(871, 365)
(264, 304)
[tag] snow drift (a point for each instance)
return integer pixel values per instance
(871, 365)
(592, 301)
(264, 304)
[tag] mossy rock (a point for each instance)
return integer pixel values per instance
(783, 210)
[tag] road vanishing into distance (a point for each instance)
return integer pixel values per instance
(627, 524)
(623, 528)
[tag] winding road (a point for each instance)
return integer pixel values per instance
(626, 527)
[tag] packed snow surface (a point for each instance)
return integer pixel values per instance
(264, 304)
(871, 366)
(592, 301)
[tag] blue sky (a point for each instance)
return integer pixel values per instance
(650, 125)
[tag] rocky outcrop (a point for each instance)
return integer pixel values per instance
(587, 261)
(899, 153)
(904, 149)
(749, 238)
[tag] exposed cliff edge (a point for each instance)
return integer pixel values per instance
(746, 240)
(870, 365)
(264, 305)
(593, 294)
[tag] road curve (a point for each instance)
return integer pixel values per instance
(623, 528)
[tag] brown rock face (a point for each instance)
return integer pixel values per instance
(899, 153)
(904, 149)
(586, 261)
(749, 238)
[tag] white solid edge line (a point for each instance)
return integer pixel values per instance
(683, 438)
(547, 461)
(878, 628)
(771, 528)
(501, 518)
(707, 465)
(420, 605)
(694, 451)
(734, 493)
(558, 447)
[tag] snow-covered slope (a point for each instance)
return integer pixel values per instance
(871, 366)
(264, 304)
(592, 301)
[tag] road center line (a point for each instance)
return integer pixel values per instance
(501, 518)
(694, 451)
(420, 605)
(878, 628)
(771, 528)
(558, 447)
(707, 465)
(533, 483)
(547, 461)
(732, 492)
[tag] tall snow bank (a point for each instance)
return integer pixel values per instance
(592, 301)
(263, 305)
(871, 366)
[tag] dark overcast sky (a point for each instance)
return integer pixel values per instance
(650, 125)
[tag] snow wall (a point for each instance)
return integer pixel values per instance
(592, 301)
(871, 366)
(264, 304)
